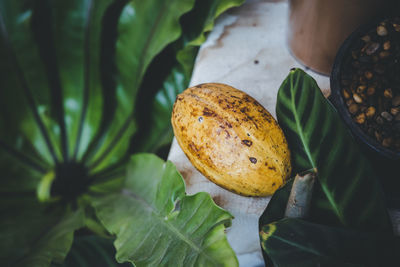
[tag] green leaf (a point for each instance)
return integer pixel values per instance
(36, 234)
(173, 68)
(196, 24)
(276, 205)
(201, 19)
(144, 29)
(295, 242)
(155, 118)
(76, 67)
(70, 73)
(275, 211)
(90, 250)
(19, 70)
(157, 225)
(348, 188)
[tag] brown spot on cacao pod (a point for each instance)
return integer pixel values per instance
(227, 134)
(247, 142)
(253, 160)
(208, 112)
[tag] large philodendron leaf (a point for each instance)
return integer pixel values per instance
(348, 187)
(156, 224)
(295, 242)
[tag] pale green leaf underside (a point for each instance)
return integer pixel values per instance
(157, 225)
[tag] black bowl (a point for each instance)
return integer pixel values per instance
(385, 161)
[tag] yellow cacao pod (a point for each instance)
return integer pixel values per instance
(231, 139)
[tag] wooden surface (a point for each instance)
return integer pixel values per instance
(247, 49)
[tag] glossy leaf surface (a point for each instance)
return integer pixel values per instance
(172, 69)
(156, 224)
(74, 83)
(195, 26)
(70, 73)
(156, 130)
(348, 215)
(144, 29)
(295, 242)
(318, 138)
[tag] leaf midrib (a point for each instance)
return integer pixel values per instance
(296, 245)
(308, 153)
(298, 126)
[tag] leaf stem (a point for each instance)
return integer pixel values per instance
(299, 201)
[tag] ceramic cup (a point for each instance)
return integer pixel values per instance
(317, 28)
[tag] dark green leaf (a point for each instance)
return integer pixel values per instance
(34, 234)
(91, 251)
(157, 225)
(76, 67)
(144, 29)
(196, 24)
(348, 188)
(173, 68)
(275, 211)
(28, 103)
(70, 72)
(277, 205)
(295, 242)
(155, 116)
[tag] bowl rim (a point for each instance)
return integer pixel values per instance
(336, 89)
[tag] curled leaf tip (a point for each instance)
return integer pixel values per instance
(267, 231)
(44, 187)
(296, 70)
